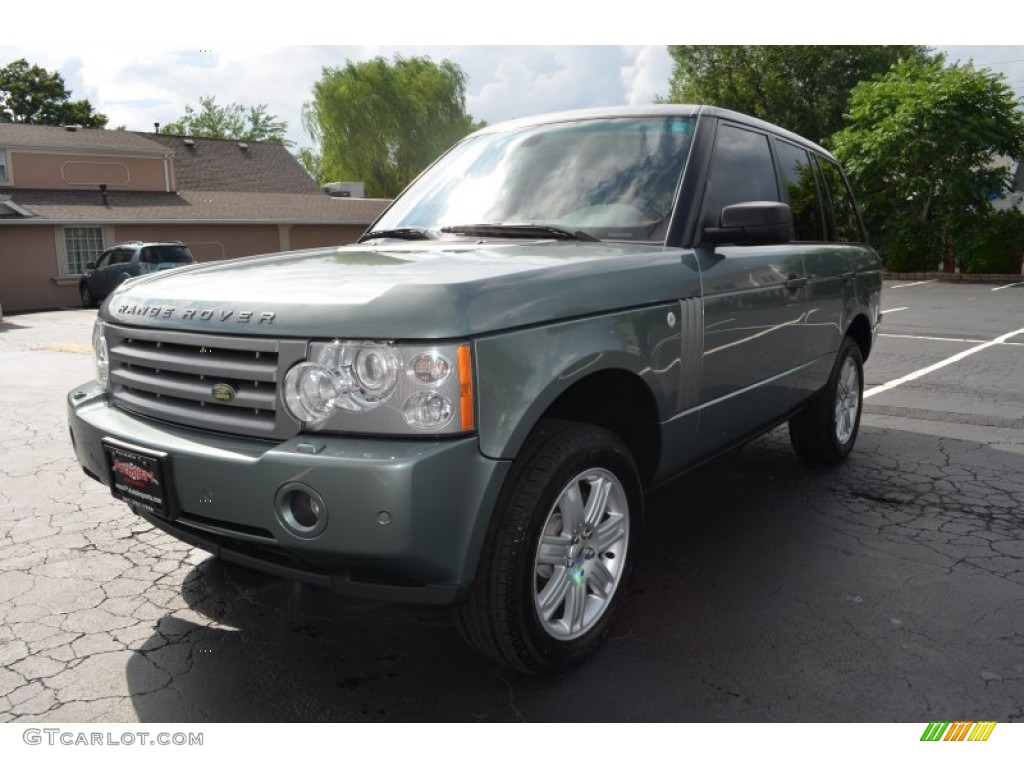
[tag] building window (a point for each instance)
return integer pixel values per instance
(83, 244)
(3, 165)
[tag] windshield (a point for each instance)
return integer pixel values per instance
(612, 178)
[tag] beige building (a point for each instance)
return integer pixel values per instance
(68, 194)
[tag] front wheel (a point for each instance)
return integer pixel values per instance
(825, 431)
(87, 298)
(559, 552)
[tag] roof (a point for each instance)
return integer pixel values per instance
(22, 136)
(218, 181)
(194, 207)
(651, 110)
(222, 164)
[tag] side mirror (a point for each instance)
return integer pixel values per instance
(760, 222)
(90, 265)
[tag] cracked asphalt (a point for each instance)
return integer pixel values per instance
(888, 589)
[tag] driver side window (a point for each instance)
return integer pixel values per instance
(741, 171)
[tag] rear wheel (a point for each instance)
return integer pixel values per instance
(826, 430)
(559, 553)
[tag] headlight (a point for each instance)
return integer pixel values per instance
(311, 393)
(100, 354)
(382, 388)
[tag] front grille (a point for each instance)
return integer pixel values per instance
(172, 376)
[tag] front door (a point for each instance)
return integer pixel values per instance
(755, 303)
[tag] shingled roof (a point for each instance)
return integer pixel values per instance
(197, 206)
(228, 164)
(217, 181)
(20, 135)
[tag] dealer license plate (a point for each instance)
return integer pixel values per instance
(137, 476)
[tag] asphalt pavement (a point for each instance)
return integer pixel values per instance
(890, 588)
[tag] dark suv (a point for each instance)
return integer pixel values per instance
(125, 260)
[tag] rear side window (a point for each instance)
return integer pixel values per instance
(741, 171)
(844, 226)
(802, 187)
(166, 254)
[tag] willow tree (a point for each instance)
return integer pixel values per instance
(382, 122)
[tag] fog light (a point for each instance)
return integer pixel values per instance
(305, 509)
(301, 510)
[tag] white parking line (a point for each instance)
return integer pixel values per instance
(998, 288)
(947, 338)
(894, 309)
(919, 282)
(941, 364)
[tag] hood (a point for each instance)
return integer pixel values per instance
(422, 290)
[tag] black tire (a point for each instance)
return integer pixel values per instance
(87, 298)
(504, 617)
(826, 430)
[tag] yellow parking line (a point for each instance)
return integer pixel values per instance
(82, 349)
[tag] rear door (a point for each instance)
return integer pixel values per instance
(805, 192)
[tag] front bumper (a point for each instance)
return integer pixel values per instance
(437, 496)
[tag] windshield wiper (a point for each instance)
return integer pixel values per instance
(402, 233)
(520, 230)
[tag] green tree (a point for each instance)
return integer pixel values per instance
(804, 88)
(383, 122)
(919, 148)
(230, 121)
(31, 94)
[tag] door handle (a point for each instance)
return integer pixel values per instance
(847, 276)
(796, 282)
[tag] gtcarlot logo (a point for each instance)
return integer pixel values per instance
(959, 731)
(69, 738)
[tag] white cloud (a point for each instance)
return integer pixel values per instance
(136, 86)
(646, 77)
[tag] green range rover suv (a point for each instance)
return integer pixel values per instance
(467, 406)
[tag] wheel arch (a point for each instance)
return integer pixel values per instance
(619, 371)
(619, 401)
(860, 331)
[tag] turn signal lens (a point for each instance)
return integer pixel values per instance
(465, 387)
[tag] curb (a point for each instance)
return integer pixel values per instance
(951, 277)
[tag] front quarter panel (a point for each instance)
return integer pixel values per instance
(521, 373)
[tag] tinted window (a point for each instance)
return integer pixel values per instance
(802, 188)
(121, 256)
(844, 225)
(741, 171)
(165, 254)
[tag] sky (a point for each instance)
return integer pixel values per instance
(138, 84)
